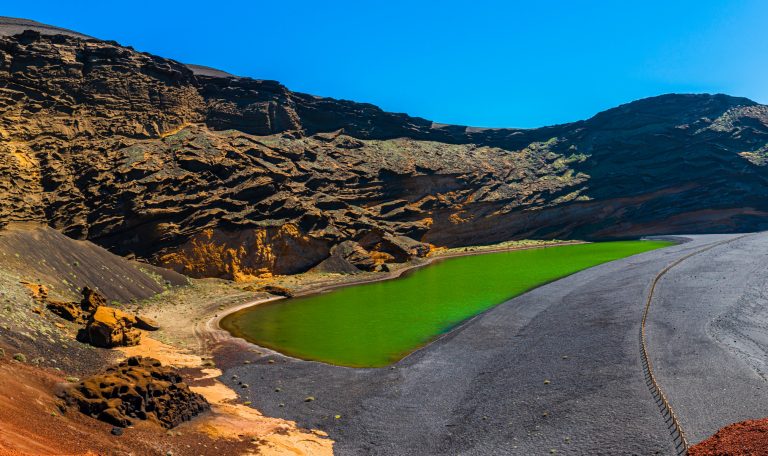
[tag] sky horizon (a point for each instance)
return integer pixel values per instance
(494, 64)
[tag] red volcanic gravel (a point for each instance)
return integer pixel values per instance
(739, 439)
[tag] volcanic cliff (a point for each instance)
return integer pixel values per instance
(217, 175)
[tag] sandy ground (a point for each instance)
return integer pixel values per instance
(230, 418)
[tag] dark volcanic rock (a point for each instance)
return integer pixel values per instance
(354, 254)
(214, 175)
(137, 389)
(92, 300)
(70, 311)
(348, 257)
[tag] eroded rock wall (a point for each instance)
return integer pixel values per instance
(234, 177)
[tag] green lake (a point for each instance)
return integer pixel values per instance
(376, 324)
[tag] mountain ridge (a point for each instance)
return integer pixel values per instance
(236, 177)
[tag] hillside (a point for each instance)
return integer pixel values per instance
(216, 175)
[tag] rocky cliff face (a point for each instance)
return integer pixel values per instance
(223, 176)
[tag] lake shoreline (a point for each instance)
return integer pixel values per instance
(213, 328)
(191, 318)
(480, 375)
(487, 283)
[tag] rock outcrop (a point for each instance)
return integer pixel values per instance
(347, 257)
(108, 328)
(137, 389)
(215, 175)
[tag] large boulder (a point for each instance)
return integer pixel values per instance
(348, 257)
(137, 389)
(109, 327)
(355, 254)
(388, 248)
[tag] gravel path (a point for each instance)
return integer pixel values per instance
(557, 368)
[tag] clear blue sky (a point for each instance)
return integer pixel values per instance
(483, 63)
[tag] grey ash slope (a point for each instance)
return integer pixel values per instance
(708, 336)
(12, 26)
(144, 156)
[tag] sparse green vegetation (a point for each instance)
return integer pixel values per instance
(758, 157)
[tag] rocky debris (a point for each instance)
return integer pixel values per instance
(137, 389)
(236, 178)
(108, 327)
(105, 326)
(386, 247)
(39, 291)
(739, 439)
(78, 312)
(277, 290)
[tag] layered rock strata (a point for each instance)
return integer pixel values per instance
(215, 175)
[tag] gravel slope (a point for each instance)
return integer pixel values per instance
(482, 389)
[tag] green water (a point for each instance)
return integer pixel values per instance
(375, 324)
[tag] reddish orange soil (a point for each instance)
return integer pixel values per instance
(32, 424)
(739, 439)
